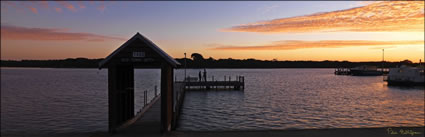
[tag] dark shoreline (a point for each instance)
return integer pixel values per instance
(210, 63)
(330, 132)
(6, 67)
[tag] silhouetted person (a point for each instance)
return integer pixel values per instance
(205, 75)
(200, 76)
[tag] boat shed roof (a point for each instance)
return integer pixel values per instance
(135, 43)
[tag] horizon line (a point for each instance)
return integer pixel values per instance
(219, 59)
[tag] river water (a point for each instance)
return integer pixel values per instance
(36, 101)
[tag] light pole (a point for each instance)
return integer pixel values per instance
(383, 61)
(185, 66)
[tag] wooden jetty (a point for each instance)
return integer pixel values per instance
(137, 52)
(160, 114)
(350, 71)
(237, 84)
(147, 123)
(342, 71)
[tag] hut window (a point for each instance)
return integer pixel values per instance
(139, 54)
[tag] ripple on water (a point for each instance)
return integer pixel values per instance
(61, 101)
(299, 99)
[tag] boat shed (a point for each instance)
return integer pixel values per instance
(137, 52)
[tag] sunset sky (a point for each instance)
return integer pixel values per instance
(282, 30)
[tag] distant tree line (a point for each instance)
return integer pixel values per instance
(197, 61)
(64, 63)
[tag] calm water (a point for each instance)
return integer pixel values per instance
(300, 99)
(52, 101)
(60, 101)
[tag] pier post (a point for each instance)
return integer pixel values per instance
(224, 81)
(120, 95)
(156, 91)
(166, 97)
(145, 98)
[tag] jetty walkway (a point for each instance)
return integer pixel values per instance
(147, 123)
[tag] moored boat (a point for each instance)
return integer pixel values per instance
(405, 75)
(365, 71)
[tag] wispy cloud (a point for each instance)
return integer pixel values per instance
(298, 44)
(378, 16)
(59, 10)
(68, 5)
(30, 6)
(102, 6)
(33, 10)
(10, 32)
(58, 6)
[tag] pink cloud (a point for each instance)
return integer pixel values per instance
(27, 5)
(50, 34)
(68, 5)
(30, 6)
(35, 6)
(33, 10)
(59, 10)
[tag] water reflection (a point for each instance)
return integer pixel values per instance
(302, 98)
(49, 101)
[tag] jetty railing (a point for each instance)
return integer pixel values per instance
(193, 83)
(146, 105)
(179, 94)
(188, 83)
(146, 101)
(347, 71)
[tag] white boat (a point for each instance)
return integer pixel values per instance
(405, 75)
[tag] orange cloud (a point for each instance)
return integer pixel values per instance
(33, 10)
(59, 10)
(296, 44)
(22, 33)
(68, 5)
(375, 17)
(30, 6)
